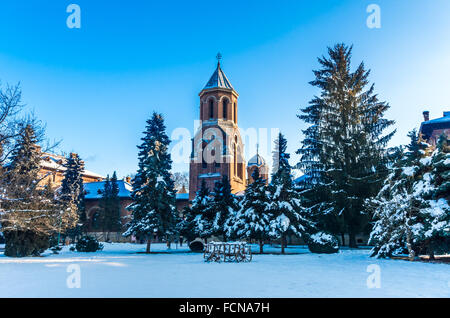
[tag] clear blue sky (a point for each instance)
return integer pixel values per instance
(96, 86)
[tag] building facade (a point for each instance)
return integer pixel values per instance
(257, 162)
(431, 130)
(217, 148)
(52, 169)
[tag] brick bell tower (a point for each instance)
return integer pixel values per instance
(217, 148)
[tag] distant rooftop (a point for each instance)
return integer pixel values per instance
(55, 162)
(428, 126)
(94, 190)
(256, 160)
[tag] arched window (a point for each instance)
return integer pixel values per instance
(211, 108)
(234, 113)
(225, 108)
(235, 159)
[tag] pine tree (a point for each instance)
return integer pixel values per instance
(224, 206)
(198, 217)
(433, 233)
(343, 150)
(110, 206)
(153, 193)
(72, 191)
(398, 206)
(31, 213)
(287, 214)
(252, 222)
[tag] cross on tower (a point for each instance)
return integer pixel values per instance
(218, 57)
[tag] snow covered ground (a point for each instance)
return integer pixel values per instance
(119, 271)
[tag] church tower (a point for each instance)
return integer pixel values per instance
(217, 148)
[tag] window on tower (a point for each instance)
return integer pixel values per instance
(225, 109)
(211, 109)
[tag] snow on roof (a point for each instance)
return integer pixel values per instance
(94, 189)
(55, 162)
(218, 80)
(444, 119)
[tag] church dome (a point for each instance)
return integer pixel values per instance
(256, 160)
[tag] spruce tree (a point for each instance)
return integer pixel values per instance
(72, 191)
(434, 231)
(344, 149)
(110, 206)
(31, 212)
(153, 210)
(252, 221)
(224, 206)
(287, 213)
(198, 217)
(399, 206)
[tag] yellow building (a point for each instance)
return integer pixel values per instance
(52, 168)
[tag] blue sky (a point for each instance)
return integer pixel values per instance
(94, 87)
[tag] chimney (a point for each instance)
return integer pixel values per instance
(426, 115)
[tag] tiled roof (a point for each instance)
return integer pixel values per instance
(218, 80)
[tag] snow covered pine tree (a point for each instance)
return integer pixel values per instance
(411, 213)
(198, 217)
(252, 220)
(72, 191)
(224, 206)
(153, 210)
(344, 149)
(30, 214)
(285, 208)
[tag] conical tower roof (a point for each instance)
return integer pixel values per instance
(218, 80)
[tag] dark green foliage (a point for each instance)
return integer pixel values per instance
(25, 243)
(153, 194)
(110, 220)
(252, 220)
(72, 191)
(323, 243)
(224, 205)
(32, 213)
(88, 244)
(288, 216)
(344, 150)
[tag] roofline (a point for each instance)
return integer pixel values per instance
(228, 90)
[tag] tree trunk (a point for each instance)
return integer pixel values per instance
(432, 258)
(261, 244)
(352, 240)
(343, 239)
(411, 252)
(283, 242)
(149, 242)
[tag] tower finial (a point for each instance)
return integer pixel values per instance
(218, 57)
